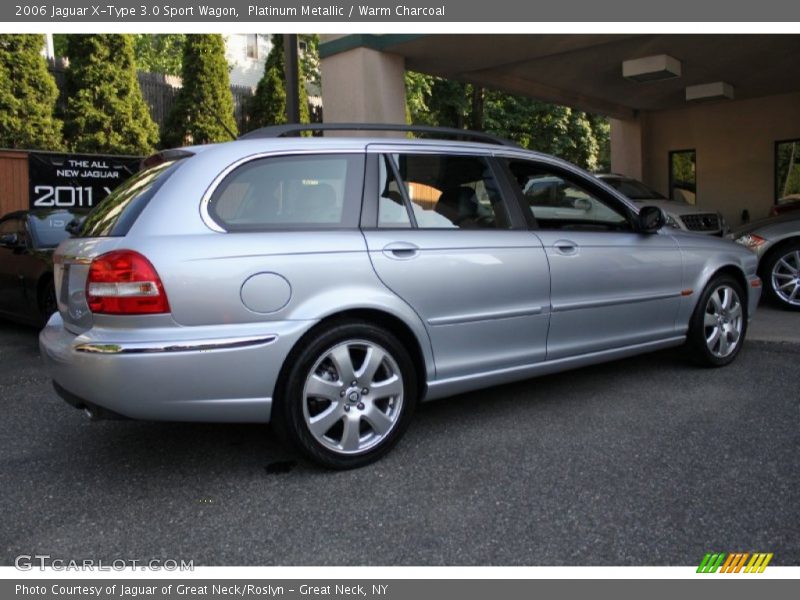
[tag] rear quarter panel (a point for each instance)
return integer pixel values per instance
(203, 271)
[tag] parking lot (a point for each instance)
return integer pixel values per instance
(642, 461)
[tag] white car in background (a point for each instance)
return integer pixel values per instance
(680, 214)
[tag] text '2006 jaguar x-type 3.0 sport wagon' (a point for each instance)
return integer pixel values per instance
(330, 284)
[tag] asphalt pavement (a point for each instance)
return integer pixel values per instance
(647, 461)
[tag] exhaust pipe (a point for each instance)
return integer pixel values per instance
(92, 411)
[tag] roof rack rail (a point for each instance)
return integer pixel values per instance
(276, 131)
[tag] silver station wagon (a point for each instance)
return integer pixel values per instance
(330, 284)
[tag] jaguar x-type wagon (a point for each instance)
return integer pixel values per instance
(330, 284)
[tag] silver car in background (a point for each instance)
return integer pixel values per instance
(776, 243)
(680, 214)
(330, 284)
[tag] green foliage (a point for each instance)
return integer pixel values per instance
(683, 168)
(309, 60)
(159, 53)
(203, 109)
(418, 91)
(105, 111)
(60, 44)
(28, 95)
(601, 129)
(558, 130)
(268, 104)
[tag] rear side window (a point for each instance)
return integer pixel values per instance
(118, 211)
(291, 192)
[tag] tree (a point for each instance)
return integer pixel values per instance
(601, 128)
(418, 92)
(203, 109)
(268, 104)
(159, 53)
(105, 111)
(559, 130)
(309, 58)
(28, 95)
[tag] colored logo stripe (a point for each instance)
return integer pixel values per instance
(758, 563)
(734, 562)
(711, 562)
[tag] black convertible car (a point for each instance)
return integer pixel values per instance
(27, 241)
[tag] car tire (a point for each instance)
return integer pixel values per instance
(718, 325)
(349, 395)
(781, 267)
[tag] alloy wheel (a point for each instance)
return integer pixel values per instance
(723, 321)
(353, 397)
(785, 278)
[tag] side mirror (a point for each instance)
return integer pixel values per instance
(583, 204)
(651, 219)
(74, 226)
(9, 240)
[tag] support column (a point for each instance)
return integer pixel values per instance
(627, 147)
(363, 85)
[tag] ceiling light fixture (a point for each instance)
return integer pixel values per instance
(651, 68)
(709, 91)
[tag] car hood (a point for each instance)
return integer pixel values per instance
(783, 221)
(674, 207)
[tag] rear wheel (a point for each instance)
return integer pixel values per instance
(349, 396)
(719, 323)
(782, 276)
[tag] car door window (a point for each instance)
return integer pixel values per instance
(558, 201)
(11, 226)
(440, 191)
(284, 192)
(15, 226)
(392, 209)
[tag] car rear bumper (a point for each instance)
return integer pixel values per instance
(219, 373)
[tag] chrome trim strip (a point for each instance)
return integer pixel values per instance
(71, 259)
(611, 301)
(167, 347)
(487, 316)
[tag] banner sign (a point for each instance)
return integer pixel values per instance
(75, 180)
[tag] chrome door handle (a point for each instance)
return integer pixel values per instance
(566, 247)
(401, 250)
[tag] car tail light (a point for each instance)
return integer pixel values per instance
(124, 282)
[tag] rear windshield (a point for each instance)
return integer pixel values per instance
(49, 229)
(118, 211)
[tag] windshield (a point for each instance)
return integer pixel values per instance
(49, 229)
(118, 211)
(635, 190)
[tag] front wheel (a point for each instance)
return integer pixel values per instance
(782, 276)
(719, 323)
(349, 396)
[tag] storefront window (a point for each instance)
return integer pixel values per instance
(787, 170)
(683, 176)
